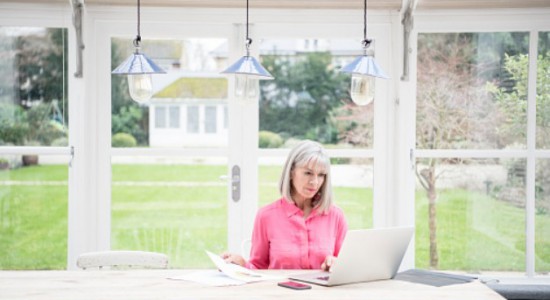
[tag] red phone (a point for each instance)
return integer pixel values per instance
(294, 285)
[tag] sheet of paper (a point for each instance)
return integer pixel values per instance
(235, 271)
(209, 277)
(225, 275)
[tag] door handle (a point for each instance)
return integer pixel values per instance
(236, 183)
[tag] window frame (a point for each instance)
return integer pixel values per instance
(90, 111)
(504, 20)
(57, 15)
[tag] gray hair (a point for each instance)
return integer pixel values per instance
(304, 154)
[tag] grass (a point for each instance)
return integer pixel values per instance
(153, 210)
(33, 227)
(477, 233)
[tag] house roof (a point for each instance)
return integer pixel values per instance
(195, 88)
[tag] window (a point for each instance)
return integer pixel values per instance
(174, 116)
(542, 169)
(160, 117)
(167, 115)
(210, 119)
(160, 198)
(33, 103)
(194, 66)
(309, 99)
(192, 119)
(33, 112)
(470, 212)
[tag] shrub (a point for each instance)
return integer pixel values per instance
(60, 142)
(122, 139)
(43, 129)
(4, 163)
(12, 133)
(132, 120)
(13, 124)
(268, 139)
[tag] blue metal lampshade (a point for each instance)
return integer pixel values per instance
(138, 63)
(365, 65)
(248, 65)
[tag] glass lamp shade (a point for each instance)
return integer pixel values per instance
(139, 68)
(141, 87)
(364, 70)
(246, 86)
(248, 71)
(362, 89)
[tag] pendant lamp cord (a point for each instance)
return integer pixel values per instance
(137, 40)
(248, 40)
(366, 42)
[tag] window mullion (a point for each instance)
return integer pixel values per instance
(531, 144)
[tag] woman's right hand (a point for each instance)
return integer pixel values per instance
(329, 261)
(233, 259)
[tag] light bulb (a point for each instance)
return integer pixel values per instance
(246, 86)
(141, 87)
(362, 89)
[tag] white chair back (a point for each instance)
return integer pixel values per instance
(122, 260)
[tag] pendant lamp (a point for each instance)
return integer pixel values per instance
(139, 68)
(247, 71)
(364, 70)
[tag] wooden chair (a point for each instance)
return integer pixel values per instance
(122, 260)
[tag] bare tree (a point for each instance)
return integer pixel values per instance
(354, 123)
(453, 111)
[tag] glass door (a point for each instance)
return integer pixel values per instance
(34, 147)
(478, 207)
(169, 156)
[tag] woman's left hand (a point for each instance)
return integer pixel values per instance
(329, 262)
(233, 259)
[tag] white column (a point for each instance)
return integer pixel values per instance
(243, 152)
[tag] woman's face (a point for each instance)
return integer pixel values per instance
(306, 181)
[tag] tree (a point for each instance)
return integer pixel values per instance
(454, 107)
(42, 71)
(513, 106)
(355, 124)
(453, 110)
(513, 103)
(299, 101)
(34, 73)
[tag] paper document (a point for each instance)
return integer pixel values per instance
(228, 274)
(235, 271)
(209, 277)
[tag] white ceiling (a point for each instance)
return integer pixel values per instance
(323, 4)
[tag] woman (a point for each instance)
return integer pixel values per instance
(303, 229)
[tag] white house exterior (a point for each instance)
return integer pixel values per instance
(193, 118)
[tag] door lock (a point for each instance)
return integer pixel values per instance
(236, 183)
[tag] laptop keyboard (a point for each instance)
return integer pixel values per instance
(325, 278)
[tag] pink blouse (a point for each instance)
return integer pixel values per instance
(283, 239)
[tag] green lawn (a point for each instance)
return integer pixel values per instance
(155, 208)
(477, 232)
(33, 220)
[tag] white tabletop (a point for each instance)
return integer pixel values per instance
(154, 284)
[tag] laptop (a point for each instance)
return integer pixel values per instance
(366, 255)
